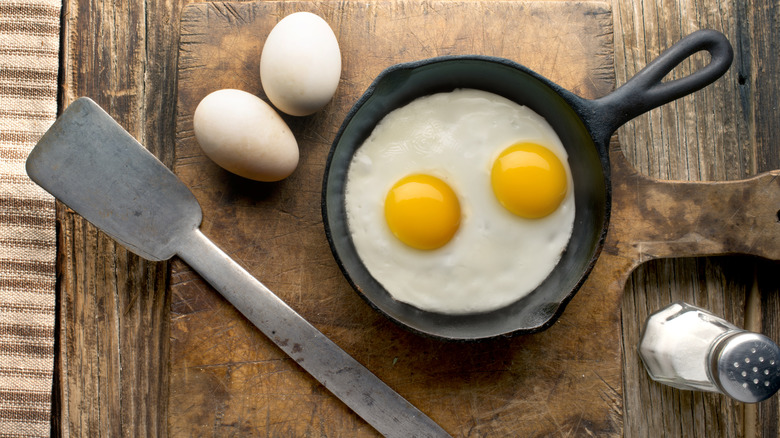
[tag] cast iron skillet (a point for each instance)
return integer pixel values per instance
(584, 127)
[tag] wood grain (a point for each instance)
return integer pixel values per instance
(124, 55)
(113, 322)
(726, 131)
(227, 379)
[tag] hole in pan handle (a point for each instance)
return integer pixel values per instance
(645, 90)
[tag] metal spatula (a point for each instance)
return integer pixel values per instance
(89, 162)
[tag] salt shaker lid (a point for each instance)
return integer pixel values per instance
(746, 366)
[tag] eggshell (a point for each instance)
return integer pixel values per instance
(244, 135)
(300, 66)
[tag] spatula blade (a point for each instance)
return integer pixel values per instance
(90, 163)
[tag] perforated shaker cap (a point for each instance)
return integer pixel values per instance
(746, 366)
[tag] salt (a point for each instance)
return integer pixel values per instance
(676, 346)
(689, 348)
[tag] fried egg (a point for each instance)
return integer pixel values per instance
(460, 202)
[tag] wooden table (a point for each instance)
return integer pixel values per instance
(114, 309)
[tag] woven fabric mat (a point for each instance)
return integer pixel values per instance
(29, 49)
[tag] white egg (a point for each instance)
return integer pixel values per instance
(244, 135)
(300, 66)
(494, 257)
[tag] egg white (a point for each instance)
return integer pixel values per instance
(495, 257)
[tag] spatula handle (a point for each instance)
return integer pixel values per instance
(384, 409)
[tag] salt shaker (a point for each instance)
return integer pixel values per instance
(689, 348)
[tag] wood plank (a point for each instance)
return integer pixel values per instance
(726, 131)
(226, 378)
(113, 319)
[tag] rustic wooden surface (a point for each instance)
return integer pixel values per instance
(727, 131)
(111, 358)
(113, 331)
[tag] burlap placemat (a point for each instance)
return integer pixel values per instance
(29, 47)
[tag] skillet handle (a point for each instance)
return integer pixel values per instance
(645, 90)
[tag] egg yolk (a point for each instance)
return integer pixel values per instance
(422, 211)
(529, 180)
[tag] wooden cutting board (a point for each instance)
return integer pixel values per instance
(227, 379)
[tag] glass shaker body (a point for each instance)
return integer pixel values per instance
(675, 346)
(689, 348)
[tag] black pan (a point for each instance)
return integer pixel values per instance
(584, 127)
